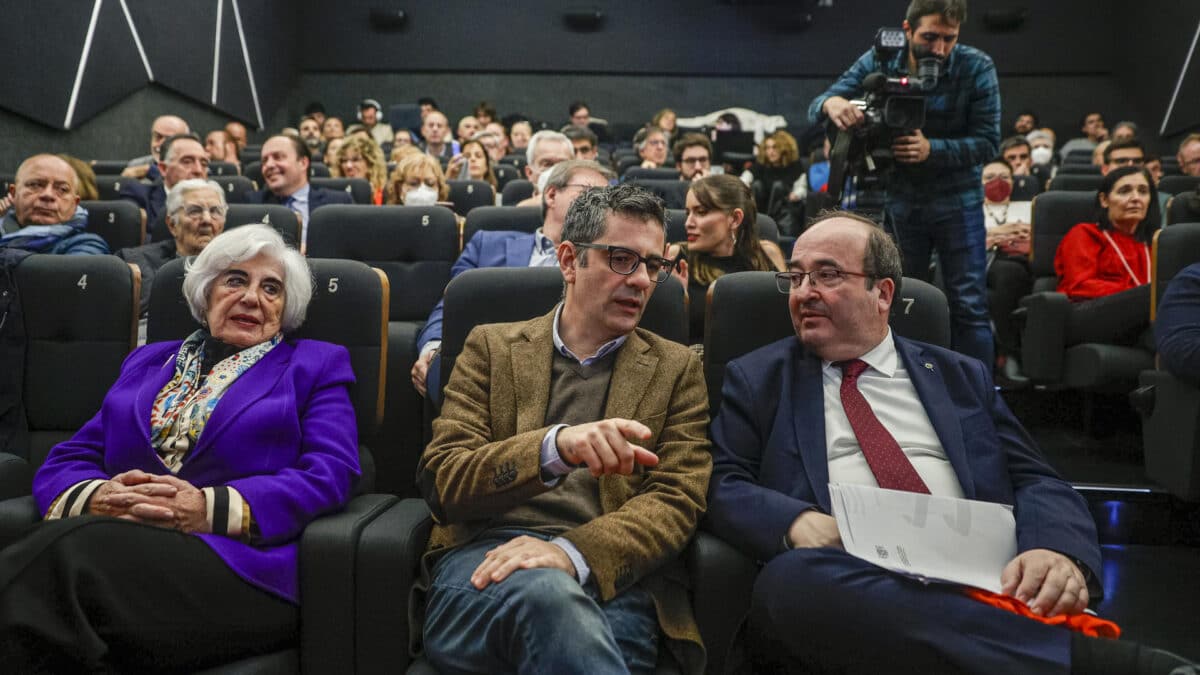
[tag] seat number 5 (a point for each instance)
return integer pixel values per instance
(333, 284)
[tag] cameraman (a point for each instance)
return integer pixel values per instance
(935, 196)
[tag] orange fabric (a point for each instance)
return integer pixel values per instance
(1087, 624)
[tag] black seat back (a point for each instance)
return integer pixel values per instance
(1025, 188)
(502, 218)
(108, 167)
(358, 188)
(1054, 214)
(504, 174)
(1075, 183)
(109, 186)
(639, 173)
(516, 191)
(1175, 248)
(746, 311)
(118, 221)
(222, 169)
(282, 219)
(1174, 185)
(1183, 208)
(672, 192)
(470, 194)
(517, 161)
(504, 294)
(80, 322)
(237, 188)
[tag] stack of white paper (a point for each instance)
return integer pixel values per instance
(933, 538)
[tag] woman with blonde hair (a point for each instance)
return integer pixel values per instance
(360, 157)
(417, 181)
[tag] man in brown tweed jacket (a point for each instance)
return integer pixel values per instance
(568, 470)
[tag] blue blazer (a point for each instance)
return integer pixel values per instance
(770, 462)
(283, 435)
(317, 197)
(1177, 325)
(151, 198)
(486, 249)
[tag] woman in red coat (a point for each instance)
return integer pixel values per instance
(1104, 267)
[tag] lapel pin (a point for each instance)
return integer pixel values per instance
(929, 366)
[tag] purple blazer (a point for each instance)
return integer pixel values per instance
(284, 435)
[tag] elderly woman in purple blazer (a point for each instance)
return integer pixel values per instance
(173, 517)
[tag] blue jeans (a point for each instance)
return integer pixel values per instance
(958, 236)
(536, 620)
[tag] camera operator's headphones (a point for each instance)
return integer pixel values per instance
(370, 103)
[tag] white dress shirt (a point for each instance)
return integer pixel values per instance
(887, 387)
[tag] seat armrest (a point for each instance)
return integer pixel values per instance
(328, 551)
(16, 515)
(390, 614)
(722, 583)
(1044, 335)
(16, 476)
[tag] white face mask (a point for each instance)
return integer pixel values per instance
(1041, 155)
(422, 195)
(544, 178)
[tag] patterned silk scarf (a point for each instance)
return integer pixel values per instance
(184, 404)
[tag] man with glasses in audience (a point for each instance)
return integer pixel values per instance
(195, 213)
(285, 162)
(934, 199)
(567, 180)
(693, 156)
(1123, 152)
(1189, 155)
(183, 157)
(847, 401)
(583, 139)
(651, 146)
(545, 149)
(568, 471)
(146, 167)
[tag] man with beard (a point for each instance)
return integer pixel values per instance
(935, 196)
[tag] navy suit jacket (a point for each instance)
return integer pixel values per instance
(151, 198)
(1177, 325)
(486, 249)
(770, 461)
(317, 197)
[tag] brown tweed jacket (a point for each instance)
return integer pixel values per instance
(484, 459)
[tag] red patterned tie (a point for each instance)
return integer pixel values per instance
(887, 461)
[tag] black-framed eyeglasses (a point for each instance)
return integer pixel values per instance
(625, 261)
(825, 277)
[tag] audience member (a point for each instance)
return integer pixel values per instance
(45, 216)
(206, 461)
(546, 149)
(435, 130)
(195, 213)
(580, 114)
(1124, 130)
(485, 114)
(332, 128)
(478, 165)
(1176, 329)
(370, 113)
(285, 162)
(467, 127)
(583, 140)
(693, 156)
(161, 129)
(399, 152)
(498, 129)
(331, 161)
(1094, 131)
(665, 119)
(567, 180)
(1122, 152)
(722, 237)
(352, 130)
(220, 147)
(85, 177)
(316, 111)
(1025, 122)
(651, 146)
(1041, 156)
(1189, 155)
(521, 133)
(310, 133)
(777, 170)
(402, 137)
(1155, 166)
(784, 432)
(427, 105)
(183, 157)
(1017, 152)
(360, 157)
(492, 143)
(554, 549)
(1008, 275)
(237, 131)
(417, 180)
(1104, 267)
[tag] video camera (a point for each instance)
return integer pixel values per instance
(892, 106)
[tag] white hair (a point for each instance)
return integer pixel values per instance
(182, 188)
(543, 136)
(239, 245)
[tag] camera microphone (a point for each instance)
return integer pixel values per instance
(874, 83)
